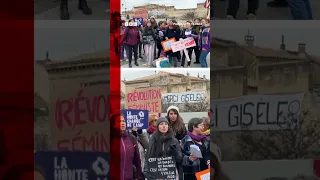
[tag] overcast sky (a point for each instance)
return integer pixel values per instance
(179, 4)
(72, 39)
(130, 74)
(268, 33)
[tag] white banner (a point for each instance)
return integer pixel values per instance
(256, 112)
(187, 97)
(183, 44)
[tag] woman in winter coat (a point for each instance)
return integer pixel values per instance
(148, 39)
(192, 164)
(176, 122)
(186, 33)
(172, 32)
(132, 38)
(163, 144)
(130, 162)
(123, 44)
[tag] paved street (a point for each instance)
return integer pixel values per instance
(124, 64)
(264, 12)
(50, 10)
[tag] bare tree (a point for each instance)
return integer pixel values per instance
(189, 16)
(297, 138)
(201, 106)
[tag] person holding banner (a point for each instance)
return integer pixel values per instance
(205, 42)
(160, 36)
(196, 150)
(130, 162)
(132, 38)
(188, 32)
(176, 122)
(197, 27)
(172, 32)
(163, 144)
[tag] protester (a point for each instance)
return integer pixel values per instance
(233, 8)
(197, 27)
(191, 163)
(176, 122)
(140, 45)
(205, 43)
(149, 38)
(172, 32)
(163, 144)
(123, 44)
(154, 25)
(132, 38)
(178, 29)
(152, 124)
(186, 33)
(143, 143)
(160, 31)
(206, 127)
(130, 162)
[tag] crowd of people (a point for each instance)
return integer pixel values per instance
(145, 39)
(300, 9)
(167, 136)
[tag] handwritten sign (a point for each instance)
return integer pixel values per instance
(187, 97)
(139, 21)
(145, 99)
(183, 44)
(162, 168)
(136, 118)
(80, 120)
(167, 44)
(55, 165)
(143, 13)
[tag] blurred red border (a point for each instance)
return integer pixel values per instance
(16, 89)
(115, 96)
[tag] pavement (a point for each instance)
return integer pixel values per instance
(264, 12)
(50, 10)
(125, 64)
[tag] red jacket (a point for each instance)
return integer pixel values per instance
(131, 36)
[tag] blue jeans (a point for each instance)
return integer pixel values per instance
(300, 9)
(203, 60)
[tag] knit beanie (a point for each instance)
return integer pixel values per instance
(172, 107)
(162, 119)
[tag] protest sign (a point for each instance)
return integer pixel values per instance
(187, 97)
(139, 21)
(167, 44)
(77, 165)
(184, 44)
(203, 175)
(141, 13)
(255, 112)
(80, 119)
(162, 168)
(136, 118)
(145, 99)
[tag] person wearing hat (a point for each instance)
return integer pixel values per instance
(163, 144)
(176, 122)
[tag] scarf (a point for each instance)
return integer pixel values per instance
(197, 138)
(207, 132)
(151, 129)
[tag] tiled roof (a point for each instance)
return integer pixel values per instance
(100, 56)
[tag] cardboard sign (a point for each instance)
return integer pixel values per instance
(136, 118)
(203, 175)
(167, 44)
(51, 165)
(141, 14)
(183, 44)
(145, 99)
(80, 119)
(162, 168)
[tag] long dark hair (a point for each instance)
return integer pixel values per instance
(157, 141)
(178, 125)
